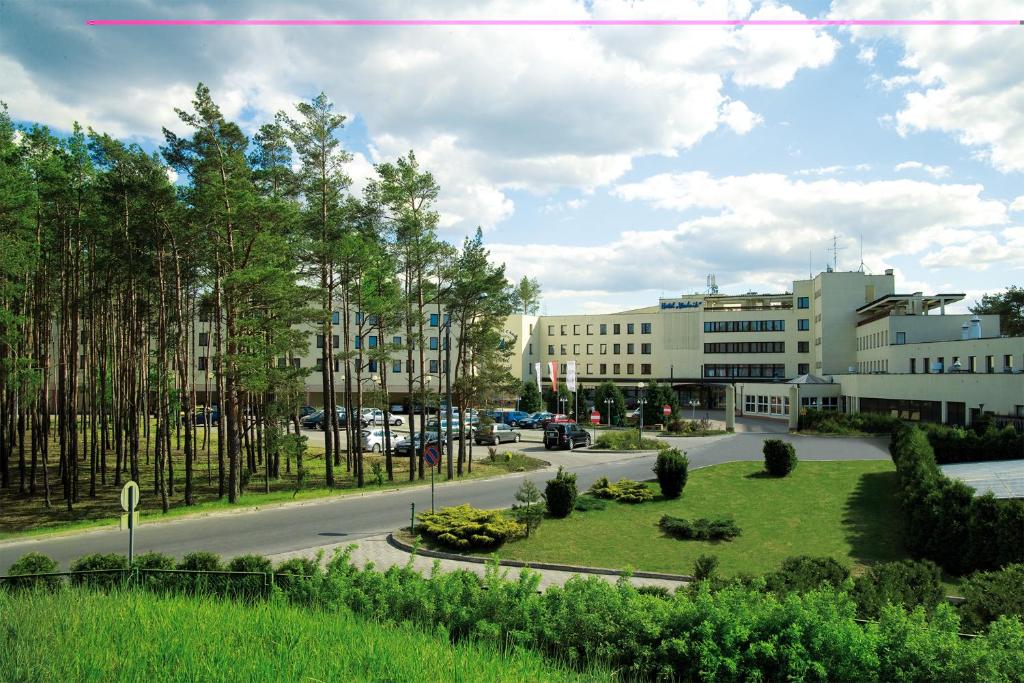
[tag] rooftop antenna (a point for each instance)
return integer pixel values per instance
(810, 265)
(835, 249)
(862, 254)
(712, 285)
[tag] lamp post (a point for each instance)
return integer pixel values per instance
(562, 401)
(640, 402)
(609, 402)
(693, 408)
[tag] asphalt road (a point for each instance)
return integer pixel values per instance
(307, 525)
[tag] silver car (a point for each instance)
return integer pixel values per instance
(373, 440)
(495, 434)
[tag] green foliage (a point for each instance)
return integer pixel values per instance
(684, 427)
(832, 422)
(587, 503)
(956, 444)
(672, 469)
(944, 521)
(1008, 305)
(155, 580)
(201, 561)
(623, 491)
(552, 402)
(908, 583)
(628, 440)
(465, 527)
(33, 563)
(705, 567)
(699, 529)
(529, 513)
(526, 298)
(804, 573)
(377, 471)
(300, 579)
(657, 396)
(560, 494)
(529, 397)
(989, 595)
(610, 390)
(251, 586)
(104, 570)
(779, 457)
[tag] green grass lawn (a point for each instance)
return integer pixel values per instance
(138, 636)
(845, 510)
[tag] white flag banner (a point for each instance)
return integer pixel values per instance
(536, 372)
(553, 374)
(570, 375)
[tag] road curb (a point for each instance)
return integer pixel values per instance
(426, 552)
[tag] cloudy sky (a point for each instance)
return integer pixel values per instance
(613, 164)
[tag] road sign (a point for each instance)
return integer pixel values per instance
(666, 410)
(129, 524)
(130, 486)
(431, 455)
(595, 416)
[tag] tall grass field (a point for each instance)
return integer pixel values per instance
(81, 635)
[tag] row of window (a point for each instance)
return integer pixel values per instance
(745, 347)
(766, 405)
(744, 370)
(878, 339)
(939, 366)
(645, 328)
(745, 326)
(588, 369)
(563, 349)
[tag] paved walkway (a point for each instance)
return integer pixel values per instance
(376, 550)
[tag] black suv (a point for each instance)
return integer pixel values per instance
(565, 435)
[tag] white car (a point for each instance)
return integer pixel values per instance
(395, 420)
(373, 440)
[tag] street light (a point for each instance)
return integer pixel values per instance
(562, 400)
(640, 402)
(693, 406)
(609, 402)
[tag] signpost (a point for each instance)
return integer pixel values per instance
(431, 456)
(666, 410)
(130, 501)
(595, 419)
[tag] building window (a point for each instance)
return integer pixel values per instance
(803, 347)
(803, 368)
(373, 341)
(615, 369)
(616, 348)
(575, 349)
(604, 368)
(629, 328)
(590, 349)
(629, 368)
(990, 364)
(434, 319)
(762, 404)
(561, 349)
(529, 349)
(201, 362)
(433, 343)
(575, 329)
(397, 341)
(645, 328)
(562, 329)
(296, 362)
(551, 330)
(1007, 363)
(972, 364)
(319, 341)
(433, 365)
(803, 324)
(590, 328)
(372, 365)
(803, 302)
(204, 314)
(629, 348)
(358, 342)
(616, 328)
(551, 349)
(645, 349)
(335, 317)
(359, 317)
(913, 366)
(319, 364)
(645, 368)
(603, 328)
(749, 405)
(204, 338)
(396, 366)
(604, 348)
(561, 369)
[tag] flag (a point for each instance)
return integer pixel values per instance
(553, 373)
(536, 371)
(570, 375)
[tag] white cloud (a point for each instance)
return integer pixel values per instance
(934, 171)
(1017, 204)
(835, 169)
(963, 80)
(737, 116)
(982, 252)
(867, 55)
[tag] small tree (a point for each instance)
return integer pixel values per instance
(529, 399)
(530, 512)
(672, 469)
(561, 493)
(608, 390)
(705, 568)
(657, 396)
(779, 457)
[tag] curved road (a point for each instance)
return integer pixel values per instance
(311, 524)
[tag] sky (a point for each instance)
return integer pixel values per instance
(613, 164)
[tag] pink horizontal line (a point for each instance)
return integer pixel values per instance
(554, 22)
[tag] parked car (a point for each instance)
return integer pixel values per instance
(395, 420)
(534, 421)
(371, 416)
(404, 446)
(306, 410)
(565, 435)
(201, 416)
(495, 434)
(431, 426)
(374, 439)
(312, 421)
(559, 418)
(510, 417)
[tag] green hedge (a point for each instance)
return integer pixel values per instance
(33, 563)
(628, 440)
(944, 521)
(989, 595)
(908, 583)
(956, 444)
(699, 529)
(833, 422)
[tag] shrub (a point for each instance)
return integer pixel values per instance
(956, 444)
(249, 586)
(908, 583)
(623, 491)
(705, 567)
(105, 566)
(699, 529)
(656, 591)
(155, 580)
(29, 564)
(831, 422)
(779, 457)
(628, 440)
(588, 503)
(804, 573)
(530, 513)
(560, 494)
(465, 527)
(988, 595)
(201, 561)
(671, 468)
(299, 578)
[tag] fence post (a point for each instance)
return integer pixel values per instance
(412, 518)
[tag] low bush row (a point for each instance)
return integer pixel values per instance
(699, 529)
(734, 632)
(628, 440)
(945, 521)
(465, 527)
(624, 490)
(957, 444)
(832, 422)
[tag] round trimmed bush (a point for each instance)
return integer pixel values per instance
(672, 470)
(298, 578)
(201, 561)
(155, 580)
(33, 563)
(805, 573)
(100, 570)
(249, 586)
(779, 457)
(560, 494)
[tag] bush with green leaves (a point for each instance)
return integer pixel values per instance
(699, 529)
(779, 457)
(468, 528)
(586, 503)
(909, 583)
(672, 469)
(989, 595)
(560, 494)
(30, 564)
(627, 440)
(299, 579)
(255, 583)
(100, 570)
(154, 579)
(529, 512)
(623, 491)
(705, 568)
(805, 573)
(197, 580)
(832, 422)
(959, 444)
